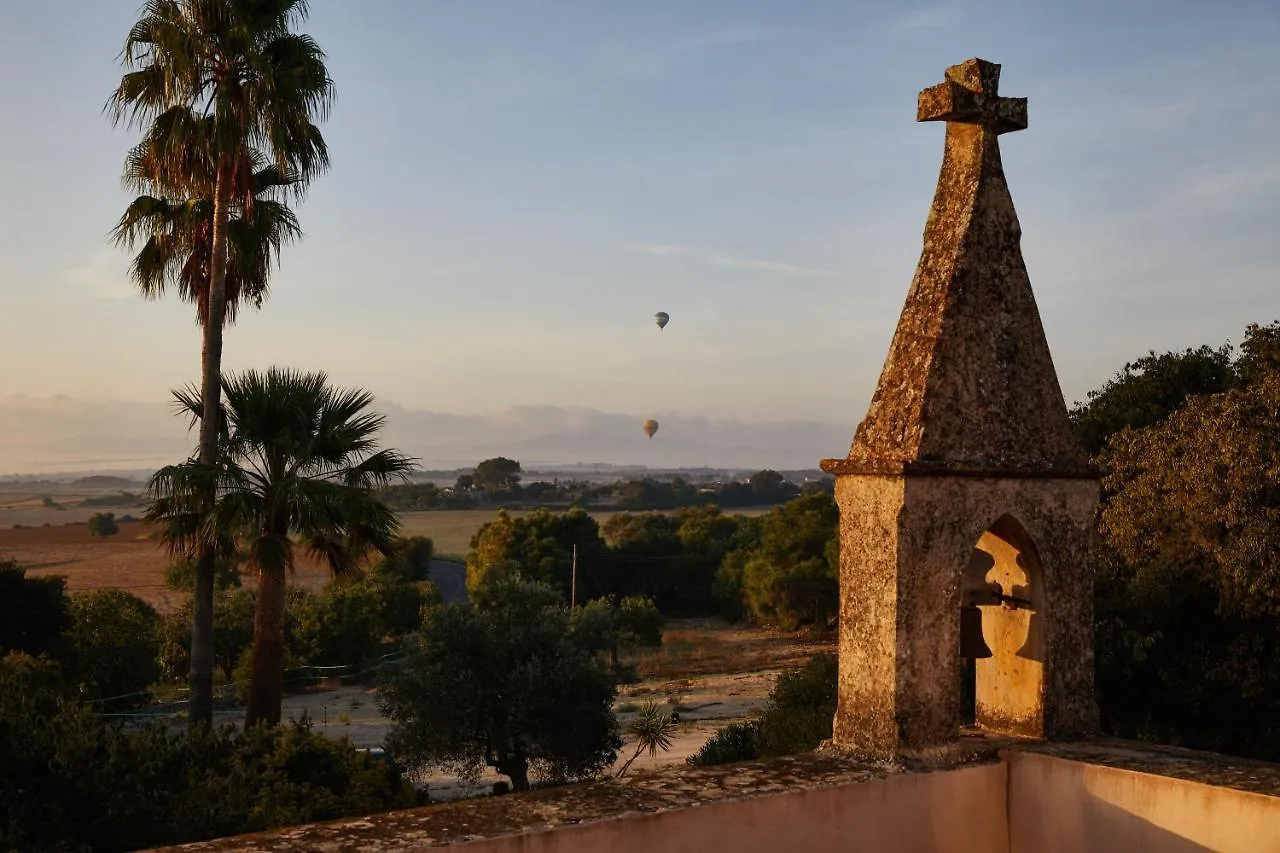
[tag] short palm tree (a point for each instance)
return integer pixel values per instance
(298, 462)
(261, 87)
(652, 728)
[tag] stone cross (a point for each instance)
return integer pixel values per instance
(965, 477)
(970, 95)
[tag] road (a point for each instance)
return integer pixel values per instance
(451, 580)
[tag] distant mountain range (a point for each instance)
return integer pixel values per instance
(61, 434)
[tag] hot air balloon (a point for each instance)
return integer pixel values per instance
(662, 318)
(650, 427)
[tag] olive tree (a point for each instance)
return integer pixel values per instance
(505, 685)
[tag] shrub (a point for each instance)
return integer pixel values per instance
(103, 524)
(34, 612)
(735, 742)
(800, 709)
(797, 718)
(69, 782)
(115, 638)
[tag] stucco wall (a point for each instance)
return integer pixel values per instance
(1062, 806)
(956, 811)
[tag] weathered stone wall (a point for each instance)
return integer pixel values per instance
(904, 545)
(870, 509)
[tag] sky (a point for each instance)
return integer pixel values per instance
(517, 187)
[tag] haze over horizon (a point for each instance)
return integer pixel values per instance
(516, 189)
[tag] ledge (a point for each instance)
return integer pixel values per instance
(679, 788)
(668, 789)
(1189, 765)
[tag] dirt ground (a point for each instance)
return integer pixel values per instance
(715, 674)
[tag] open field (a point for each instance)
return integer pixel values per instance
(135, 560)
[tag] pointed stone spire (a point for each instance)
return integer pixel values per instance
(969, 385)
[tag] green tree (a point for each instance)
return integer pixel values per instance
(1200, 493)
(358, 612)
(232, 633)
(115, 637)
(35, 613)
(1259, 352)
(180, 574)
(613, 626)
(503, 684)
(1187, 609)
(103, 524)
(410, 558)
(791, 577)
(237, 64)
(541, 543)
(1146, 391)
(498, 474)
(298, 461)
(770, 487)
(707, 537)
(643, 548)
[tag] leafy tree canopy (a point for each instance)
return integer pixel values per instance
(790, 579)
(34, 612)
(116, 640)
(498, 474)
(503, 684)
(103, 524)
(541, 543)
(1147, 390)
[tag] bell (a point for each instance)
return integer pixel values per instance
(1033, 648)
(972, 646)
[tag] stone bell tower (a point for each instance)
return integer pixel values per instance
(965, 488)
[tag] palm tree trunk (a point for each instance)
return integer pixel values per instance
(267, 686)
(201, 707)
(634, 756)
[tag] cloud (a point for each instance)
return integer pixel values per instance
(105, 276)
(720, 259)
(62, 434)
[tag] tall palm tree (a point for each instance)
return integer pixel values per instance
(298, 461)
(174, 238)
(261, 86)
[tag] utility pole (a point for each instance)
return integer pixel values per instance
(573, 580)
